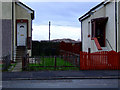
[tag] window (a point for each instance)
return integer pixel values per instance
(89, 29)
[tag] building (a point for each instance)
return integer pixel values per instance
(101, 27)
(16, 29)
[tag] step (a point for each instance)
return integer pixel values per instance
(19, 53)
(104, 49)
(18, 60)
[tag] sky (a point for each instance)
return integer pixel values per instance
(63, 17)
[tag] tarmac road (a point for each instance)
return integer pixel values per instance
(64, 83)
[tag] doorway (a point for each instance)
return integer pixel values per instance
(21, 33)
(98, 29)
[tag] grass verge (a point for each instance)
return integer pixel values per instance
(10, 68)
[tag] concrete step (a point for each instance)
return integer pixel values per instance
(18, 58)
(104, 49)
(20, 52)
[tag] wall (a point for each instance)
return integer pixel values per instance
(110, 26)
(93, 46)
(21, 13)
(6, 37)
(85, 40)
(6, 28)
(103, 11)
(6, 10)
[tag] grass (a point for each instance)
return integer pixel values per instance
(51, 62)
(13, 65)
(9, 67)
(1, 65)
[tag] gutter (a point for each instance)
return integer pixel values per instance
(89, 12)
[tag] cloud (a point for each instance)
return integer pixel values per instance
(41, 32)
(60, 13)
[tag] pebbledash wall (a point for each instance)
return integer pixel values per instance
(105, 10)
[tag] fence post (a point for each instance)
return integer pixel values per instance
(79, 62)
(55, 62)
(89, 61)
(23, 63)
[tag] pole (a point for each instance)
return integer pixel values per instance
(55, 62)
(49, 31)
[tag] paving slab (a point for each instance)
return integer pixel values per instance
(18, 67)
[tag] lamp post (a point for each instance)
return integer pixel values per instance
(49, 30)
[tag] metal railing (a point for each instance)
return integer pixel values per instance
(50, 63)
(109, 44)
(6, 62)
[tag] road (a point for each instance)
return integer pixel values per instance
(64, 83)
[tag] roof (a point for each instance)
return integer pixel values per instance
(88, 14)
(27, 8)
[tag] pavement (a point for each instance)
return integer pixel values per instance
(18, 67)
(51, 75)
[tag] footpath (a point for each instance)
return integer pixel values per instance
(51, 75)
(18, 67)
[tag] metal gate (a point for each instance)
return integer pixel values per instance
(51, 63)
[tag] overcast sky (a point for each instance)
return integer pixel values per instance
(63, 16)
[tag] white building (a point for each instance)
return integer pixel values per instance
(101, 27)
(15, 29)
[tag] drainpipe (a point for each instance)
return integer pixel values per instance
(116, 22)
(12, 35)
(12, 31)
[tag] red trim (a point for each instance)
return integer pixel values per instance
(97, 43)
(22, 21)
